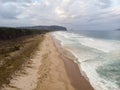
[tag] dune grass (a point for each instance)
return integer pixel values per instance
(15, 54)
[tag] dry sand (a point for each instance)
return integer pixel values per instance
(50, 71)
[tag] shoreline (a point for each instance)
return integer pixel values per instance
(78, 81)
(49, 69)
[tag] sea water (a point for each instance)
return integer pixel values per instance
(98, 55)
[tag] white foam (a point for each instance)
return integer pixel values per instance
(103, 45)
(96, 81)
(89, 54)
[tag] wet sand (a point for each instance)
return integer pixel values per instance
(78, 81)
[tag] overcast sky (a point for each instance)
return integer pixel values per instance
(74, 14)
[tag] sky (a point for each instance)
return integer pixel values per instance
(73, 14)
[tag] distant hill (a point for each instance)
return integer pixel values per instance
(45, 28)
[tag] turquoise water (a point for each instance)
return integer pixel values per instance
(98, 55)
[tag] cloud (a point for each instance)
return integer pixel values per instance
(63, 10)
(83, 13)
(9, 11)
(104, 3)
(19, 1)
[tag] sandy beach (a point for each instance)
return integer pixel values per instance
(78, 81)
(50, 70)
(53, 75)
(64, 74)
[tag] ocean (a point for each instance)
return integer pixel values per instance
(97, 53)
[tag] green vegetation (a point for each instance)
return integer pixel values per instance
(16, 48)
(11, 33)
